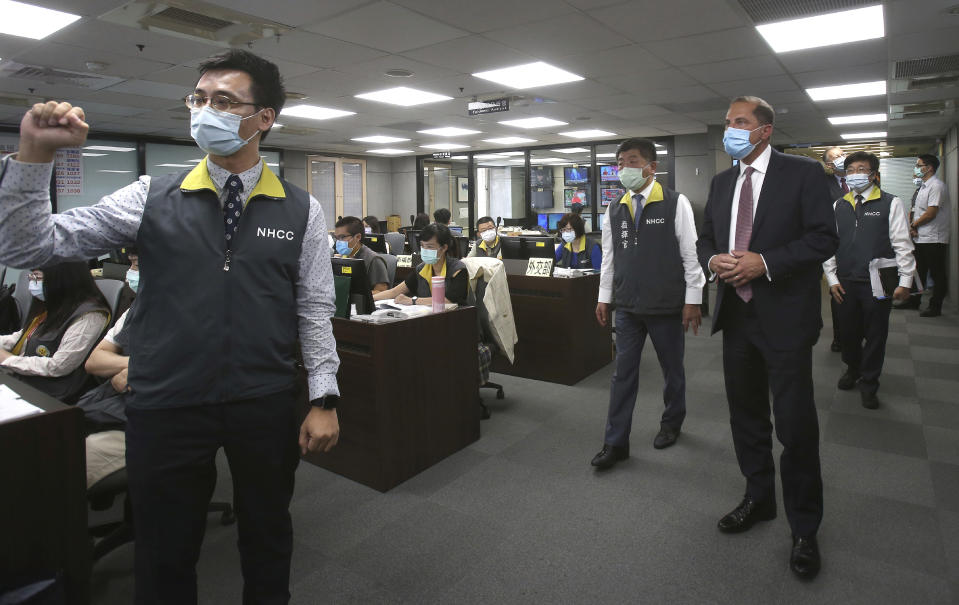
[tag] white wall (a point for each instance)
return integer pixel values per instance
(404, 188)
(379, 187)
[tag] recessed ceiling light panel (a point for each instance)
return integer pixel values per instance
(403, 96)
(446, 145)
(863, 135)
(379, 139)
(529, 75)
(538, 122)
(587, 134)
(509, 140)
(449, 131)
(824, 30)
(847, 91)
(314, 112)
(571, 150)
(108, 148)
(29, 21)
(389, 151)
(860, 119)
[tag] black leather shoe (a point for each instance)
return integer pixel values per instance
(848, 380)
(804, 559)
(665, 438)
(835, 347)
(610, 455)
(746, 514)
(930, 312)
(869, 400)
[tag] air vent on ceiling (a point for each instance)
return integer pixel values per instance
(16, 101)
(191, 19)
(768, 11)
(933, 82)
(50, 76)
(923, 109)
(925, 66)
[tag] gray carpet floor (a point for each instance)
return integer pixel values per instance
(521, 517)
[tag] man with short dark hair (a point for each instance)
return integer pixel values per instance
(236, 274)
(650, 272)
(768, 227)
(930, 230)
(873, 242)
(348, 234)
(488, 243)
(442, 216)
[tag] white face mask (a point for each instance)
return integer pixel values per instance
(489, 236)
(568, 236)
(367, 229)
(633, 179)
(36, 289)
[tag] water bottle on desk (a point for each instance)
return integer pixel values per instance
(439, 293)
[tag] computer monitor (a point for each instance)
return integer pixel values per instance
(525, 247)
(456, 230)
(575, 196)
(360, 294)
(375, 242)
(554, 217)
(608, 174)
(610, 195)
(541, 198)
(541, 177)
(515, 222)
(575, 175)
(543, 221)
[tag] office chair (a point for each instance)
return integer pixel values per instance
(22, 296)
(110, 536)
(487, 348)
(396, 242)
(390, 260)
(111, 290)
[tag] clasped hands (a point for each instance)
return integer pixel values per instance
(738, 268)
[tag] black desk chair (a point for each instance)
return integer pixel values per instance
(487, 349)
(110, 536)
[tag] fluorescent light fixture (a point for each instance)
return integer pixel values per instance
(662, 152)
(606, 155)
(510, 141)
(537, 122)
(459, 157)
(487, 156)
(201, 159)
(863, 135)
(545, 160)
(117, 171)
(445, 145)
(587, 134)
(108, 148)
(529, 75)
(847, 91)
(860, 119)
(824, 30)
(274, 164)
(315, 112)
(449, 131)
(403, 96)
(174, 165)
(884, 154)
(276, 125)
(379, 139)
(94, 155)
(571, 150)
(28, 21)
(389, 151)
(507, 153)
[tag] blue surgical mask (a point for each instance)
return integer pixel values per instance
(133, 279)
(736, 142)
(858, 182)
(342, 248)
(36, 289)
(917, 171)
(218, 132)
(429, 256)
(840, 163)
(568, 236)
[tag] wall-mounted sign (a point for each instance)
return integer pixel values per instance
(441, 155)
(491, 106)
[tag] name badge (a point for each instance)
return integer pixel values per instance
(539, 267)
(345, 270)
(404, 260)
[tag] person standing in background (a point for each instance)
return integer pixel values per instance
(834, 160)
(930, 231)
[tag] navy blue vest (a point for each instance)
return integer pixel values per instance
(863, 236)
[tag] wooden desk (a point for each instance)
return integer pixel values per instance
(559, 338)
(43, 511)
(408, 396)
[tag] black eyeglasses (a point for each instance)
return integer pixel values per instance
(218, 102)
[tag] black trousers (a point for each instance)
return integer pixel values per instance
(933, 258)
(752, 369)
(864, 327)
(172, 472)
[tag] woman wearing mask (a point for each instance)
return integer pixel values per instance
(371, 224)
(577, 252)
(435, 243)
(49, 352)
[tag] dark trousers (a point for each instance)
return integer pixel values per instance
(834, 310)
(171, 469)
(752, 369)
(933, 258)
(864, 325)
(666, 332)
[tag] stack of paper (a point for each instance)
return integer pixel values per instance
(13, 407)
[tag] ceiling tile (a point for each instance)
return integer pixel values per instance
(470, 55)
(661, 79)
(478, 17)
(558, 37)
(119, 39)
(293, 14)
(375, 25)
(842, 55)
(674, 95)
(623, 59)
(651, 21)
(72, 58)
(149, 89)
(924, 43)
(755, 86)
(843, 75)
(747, 67)
(709, 48)
(318, 51)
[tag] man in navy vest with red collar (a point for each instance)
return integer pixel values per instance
(236, 274)
(651, 274)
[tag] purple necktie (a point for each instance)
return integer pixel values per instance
(842, 182)
(744, 226)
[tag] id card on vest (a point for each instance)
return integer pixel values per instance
(539, 267)
(404, 260)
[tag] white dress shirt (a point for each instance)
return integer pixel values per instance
(898, 236)
(685, 233)
(79, 338)
(933, 192)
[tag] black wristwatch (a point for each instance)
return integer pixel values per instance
(327, 402)
(413, 298)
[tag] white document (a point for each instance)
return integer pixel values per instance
(13, 407)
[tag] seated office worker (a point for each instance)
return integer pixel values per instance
(488, 243)
(60, 331)
(767, 228)
(442, 216)
(872, 225)
(651, 271)
(203, 375)
(417, 289)
(371, 224)
(349, 244)
(576, 252)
